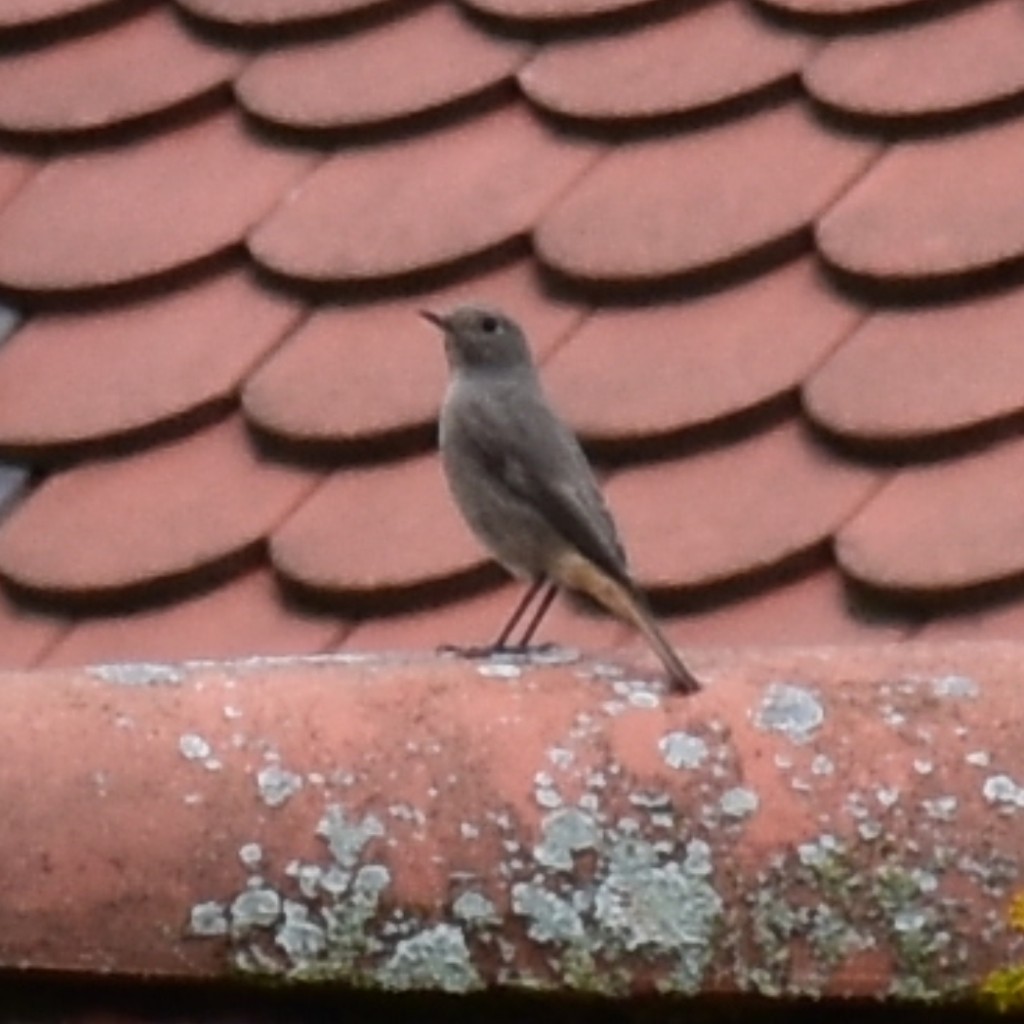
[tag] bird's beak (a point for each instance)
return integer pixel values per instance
(435, 318)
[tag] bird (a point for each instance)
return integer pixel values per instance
(523, 484)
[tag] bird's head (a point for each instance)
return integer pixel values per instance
(481, 338)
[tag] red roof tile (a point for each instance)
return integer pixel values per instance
(635, 373)
(367, 77)
(885, 226)
(133, 211)
(420, 203)
(710, 197)
(349, 375)
(940, 528)
(74, 378)
(929, 67)
(734, 511)
(378, 530)
(717, 52)
(814, 609)
(144, 64)
(174, 512)
(242, 618)
(908, 375)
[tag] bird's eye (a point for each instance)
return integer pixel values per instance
(489, 324)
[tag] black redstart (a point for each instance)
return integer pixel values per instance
(524, 485)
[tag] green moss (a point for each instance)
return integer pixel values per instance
(580, 972)
(1003, 990)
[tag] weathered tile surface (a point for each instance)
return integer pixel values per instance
(416, 824)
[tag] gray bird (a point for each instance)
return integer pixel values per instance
(521, 480)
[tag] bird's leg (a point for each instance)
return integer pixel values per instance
(501, 644)
(538, 615)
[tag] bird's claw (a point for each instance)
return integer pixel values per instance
(485, 651)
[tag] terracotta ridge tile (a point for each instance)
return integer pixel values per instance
(391, 822)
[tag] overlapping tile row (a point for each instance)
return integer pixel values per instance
(769, 255)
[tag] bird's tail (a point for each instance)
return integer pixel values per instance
(579, 573)
(682, 678)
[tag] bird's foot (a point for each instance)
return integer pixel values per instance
(484, 651)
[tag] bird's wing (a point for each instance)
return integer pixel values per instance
(526, 449)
